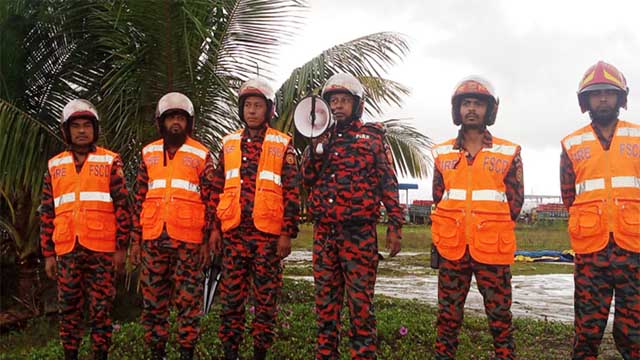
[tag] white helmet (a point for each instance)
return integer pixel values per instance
(257, 87)
(348, 84)
(79, 108)
(172, 102)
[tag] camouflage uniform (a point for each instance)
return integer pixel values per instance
(86, 276)
(344, 200)
(171, 271)
(250, 261)
(494, 281)
(597, 276)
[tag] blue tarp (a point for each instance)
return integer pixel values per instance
(544, 256)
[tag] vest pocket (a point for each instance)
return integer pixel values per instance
(101, 225)
(268, 205)
(585, 224)
(187, 214)
(629, 216)
(226, 209)
(150, 213)
(447, 228)
(62, 228)
(494, 233)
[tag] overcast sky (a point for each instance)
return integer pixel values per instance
(534, 53)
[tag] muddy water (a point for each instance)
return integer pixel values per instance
(547, 297)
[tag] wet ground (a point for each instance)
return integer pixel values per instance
(546, 297)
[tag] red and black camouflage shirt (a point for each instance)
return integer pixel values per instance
(358, 178)
(119, 196)
(567, 173)
(513, 181)
(142, 187)
(251, 147)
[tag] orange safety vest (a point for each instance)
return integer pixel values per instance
(607, 189)
(82, 201)
(268, 206)
(173, 199)
(474, 210)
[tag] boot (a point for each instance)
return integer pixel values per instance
(158, 353)
(230, 353)
(259, 353)
(101, 355)
(70, 354)
(186, 353)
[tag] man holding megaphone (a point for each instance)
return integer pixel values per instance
(348, 171)
(257, 211)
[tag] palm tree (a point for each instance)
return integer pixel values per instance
(367, 58)
(123, 55)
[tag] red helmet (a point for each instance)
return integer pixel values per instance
(79, 108)
(475, 86)
(257, 87)
(602, 76)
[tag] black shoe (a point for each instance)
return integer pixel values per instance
(70, 354)
(259, 353)
(101, 355)
(186, 353)
(158, 353)
(230, 353)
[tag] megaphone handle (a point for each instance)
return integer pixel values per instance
(313, 113)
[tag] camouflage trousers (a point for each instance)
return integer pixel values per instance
(494, 283)
(250, 266)
(171, 275)
(345, 258)
(597, 277)
(85, 276)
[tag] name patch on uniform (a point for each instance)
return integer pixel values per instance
(491, 163)
(99, 170)
(229, 149)
(630, 150)
(363, 136)
(275, 151)
(59, 172)
(152, 160)
(190, 162)
(581, 154)
(448, 164)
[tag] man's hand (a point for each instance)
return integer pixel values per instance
(284, 246)
(134, 254)
(322, 139)
(215, 241)
(205, 254)
(118, 261)
(393, 243)
(50, 267)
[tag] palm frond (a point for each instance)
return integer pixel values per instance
(410, 148)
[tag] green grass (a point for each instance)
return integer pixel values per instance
(541, 236)
(295, 337)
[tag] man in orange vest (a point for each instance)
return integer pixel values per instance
(478, 192)
(348, 173)
(84, 228)
(173, 219)
(600, 183)
(257, 212)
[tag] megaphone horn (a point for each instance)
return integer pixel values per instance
(312, 116)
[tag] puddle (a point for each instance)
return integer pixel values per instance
(546, 297)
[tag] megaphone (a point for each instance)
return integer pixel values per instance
(312, 116)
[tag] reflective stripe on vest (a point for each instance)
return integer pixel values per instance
(607, 189)
(82, 202)
(173, 199)
(268, 206)
(474, 209)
